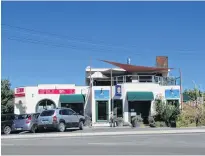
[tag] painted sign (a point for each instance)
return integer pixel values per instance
(172, 94)
(118, 90)
(56, 91)
(19, 92)
(102, 94)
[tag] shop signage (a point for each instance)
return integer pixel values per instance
(102, 94)
(118, 90)
(56, 91)
(172, 94)
(20, 92)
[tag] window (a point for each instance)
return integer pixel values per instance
(63, 112)
(70, 112)
(47, 113)
(23, 116)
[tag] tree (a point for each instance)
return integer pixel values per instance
(194, 93)
(7, 96)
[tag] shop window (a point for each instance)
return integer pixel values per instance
(45, 104)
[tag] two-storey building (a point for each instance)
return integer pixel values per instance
(129, 88)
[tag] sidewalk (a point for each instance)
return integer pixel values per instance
(109, 132)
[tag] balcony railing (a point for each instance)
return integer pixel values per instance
(165, 81)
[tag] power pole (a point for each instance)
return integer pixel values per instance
(112, 104)
(181, 88)
(91, 90)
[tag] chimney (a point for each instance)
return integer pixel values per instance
(162, 61)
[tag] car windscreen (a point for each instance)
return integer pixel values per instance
(22, 116)
(47, 113)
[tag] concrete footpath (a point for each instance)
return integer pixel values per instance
(107, 132)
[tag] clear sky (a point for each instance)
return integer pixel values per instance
(52, 42)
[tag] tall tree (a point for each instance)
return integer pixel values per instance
(7, 97)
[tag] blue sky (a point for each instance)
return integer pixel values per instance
(60, 38)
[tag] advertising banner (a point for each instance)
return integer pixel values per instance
(56, 91)
(172, 94)
(102, 94)
(118, 90)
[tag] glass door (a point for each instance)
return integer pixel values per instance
(102, 111)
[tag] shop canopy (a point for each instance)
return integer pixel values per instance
(133, 68)
(72, 98)
(140, 96)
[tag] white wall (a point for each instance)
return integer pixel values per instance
(149, 87)
(32, 98)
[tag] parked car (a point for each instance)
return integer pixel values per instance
(26, 122)
(60, 119)
(7, 121)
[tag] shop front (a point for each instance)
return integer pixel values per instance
(172, 96)
(139, 103)
(74, 101)
(102, 105)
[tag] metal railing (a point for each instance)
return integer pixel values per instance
(165, 81)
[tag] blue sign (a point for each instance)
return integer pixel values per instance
(118, 90)
(102, 94)
(172, 94)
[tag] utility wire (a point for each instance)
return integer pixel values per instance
(74, 40)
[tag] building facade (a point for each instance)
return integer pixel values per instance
(129, 90)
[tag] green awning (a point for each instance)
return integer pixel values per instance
(72, 98)
(140, 96)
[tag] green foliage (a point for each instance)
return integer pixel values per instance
(160, 124)
(166, 112)
(191, 116)
(7, 96)
(194, 93)
(137, 120)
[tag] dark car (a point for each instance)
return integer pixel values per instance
(26, 122)
(7, 121)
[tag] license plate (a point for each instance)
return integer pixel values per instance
(18, 128)
(45, 122)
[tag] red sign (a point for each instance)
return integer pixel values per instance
(20, 90)
(56, 91)
(20, 95)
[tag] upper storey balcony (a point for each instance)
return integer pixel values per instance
(126, 73)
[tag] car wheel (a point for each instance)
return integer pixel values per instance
(61, 127)
(81, 126)
(34, 129)
(7, 130)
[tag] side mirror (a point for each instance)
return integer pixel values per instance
(75, 113)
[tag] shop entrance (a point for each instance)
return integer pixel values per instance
(102, 111)
(77, 107)
(139, 107)
(119, 107)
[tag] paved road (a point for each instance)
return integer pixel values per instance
(171, 144)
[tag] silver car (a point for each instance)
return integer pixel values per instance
(26, 122)
(60, 119)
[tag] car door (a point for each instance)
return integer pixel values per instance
(74, 118)
(67, 118)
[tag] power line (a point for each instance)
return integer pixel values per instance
(46, 34)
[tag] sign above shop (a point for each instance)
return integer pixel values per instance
(19, 92)
(172, 94)
(118, 90)
(102, 94)
(56, 91)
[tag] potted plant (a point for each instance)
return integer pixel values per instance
(137, 121)
(151, 121)
(119, 121)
